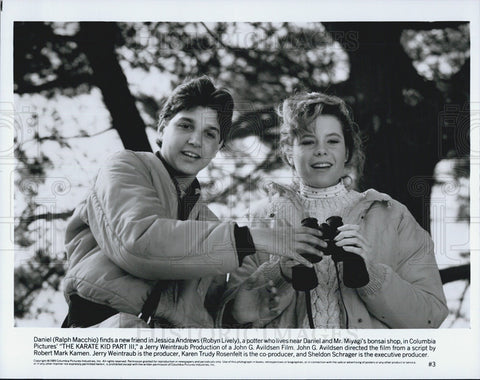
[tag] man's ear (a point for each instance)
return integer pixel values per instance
(160, 131)
(159, 138)
(288, 154)
(220, 146)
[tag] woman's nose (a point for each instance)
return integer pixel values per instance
(320, 150)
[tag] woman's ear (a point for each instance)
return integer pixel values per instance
(347, 155)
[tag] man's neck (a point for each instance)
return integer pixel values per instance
(184, 182)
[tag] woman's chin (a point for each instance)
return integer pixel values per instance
(320, 185)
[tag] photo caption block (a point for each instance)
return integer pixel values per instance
(172, 349)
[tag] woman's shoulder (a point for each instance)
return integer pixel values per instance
(275, 199)
(391, 205)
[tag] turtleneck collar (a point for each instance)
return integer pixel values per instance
(321, 193)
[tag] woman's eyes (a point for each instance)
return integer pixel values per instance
(311, 142)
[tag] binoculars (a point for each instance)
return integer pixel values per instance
(355, 274)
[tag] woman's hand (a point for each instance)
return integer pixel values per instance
(289, 242)
(350, 239)
(259, 303)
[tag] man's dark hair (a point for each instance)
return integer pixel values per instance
(199, 92)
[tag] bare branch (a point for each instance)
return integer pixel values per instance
(49, 216)
(62, 82)
(458, 313)
(63, 138)
(461, 272)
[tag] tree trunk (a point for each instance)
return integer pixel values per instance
(97, 40)
(404, 136)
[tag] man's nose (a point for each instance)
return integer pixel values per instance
(195, 139)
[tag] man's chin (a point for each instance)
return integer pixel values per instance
(188, 170)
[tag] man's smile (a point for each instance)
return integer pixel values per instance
(190, 154)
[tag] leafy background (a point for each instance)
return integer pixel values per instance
(86, 90)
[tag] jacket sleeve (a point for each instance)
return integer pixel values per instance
(214, 294)
(127, 216)
(255, 267)
(411, 296)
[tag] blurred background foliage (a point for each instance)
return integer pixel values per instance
(85, 90)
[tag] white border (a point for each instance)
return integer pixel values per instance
(459, 347)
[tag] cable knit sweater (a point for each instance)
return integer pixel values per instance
(321, 204)
(405, 290)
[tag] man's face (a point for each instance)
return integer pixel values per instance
(191, 139)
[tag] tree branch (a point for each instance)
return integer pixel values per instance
(62, 82)
(63, 138)
(460, 303)
(49, 216)
(23, 304)
(109, 77)
(461, 272)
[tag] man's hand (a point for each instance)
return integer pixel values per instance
(259, 302)
(289, 242)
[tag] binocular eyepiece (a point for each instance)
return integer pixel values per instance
(355, 274)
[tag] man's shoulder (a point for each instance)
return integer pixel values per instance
(139, 160)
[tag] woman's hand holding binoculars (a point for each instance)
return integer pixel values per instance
(345, 244)
(350, 239)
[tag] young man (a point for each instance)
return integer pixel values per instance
(143, 247)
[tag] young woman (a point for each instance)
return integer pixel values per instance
(143, 243)
(322, 144)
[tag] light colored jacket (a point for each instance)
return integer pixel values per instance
(405, 290)
(125, 235)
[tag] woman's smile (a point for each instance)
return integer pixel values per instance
(321, 165)
(319, 154)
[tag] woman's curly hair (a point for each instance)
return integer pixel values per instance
(299, 111)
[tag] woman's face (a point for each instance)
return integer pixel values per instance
(191, 139)
(319, 155)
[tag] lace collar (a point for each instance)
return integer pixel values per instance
(320, 193)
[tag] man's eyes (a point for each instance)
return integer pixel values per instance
(212, 135)
(306, 142)
(189, 126)
(184, 125)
